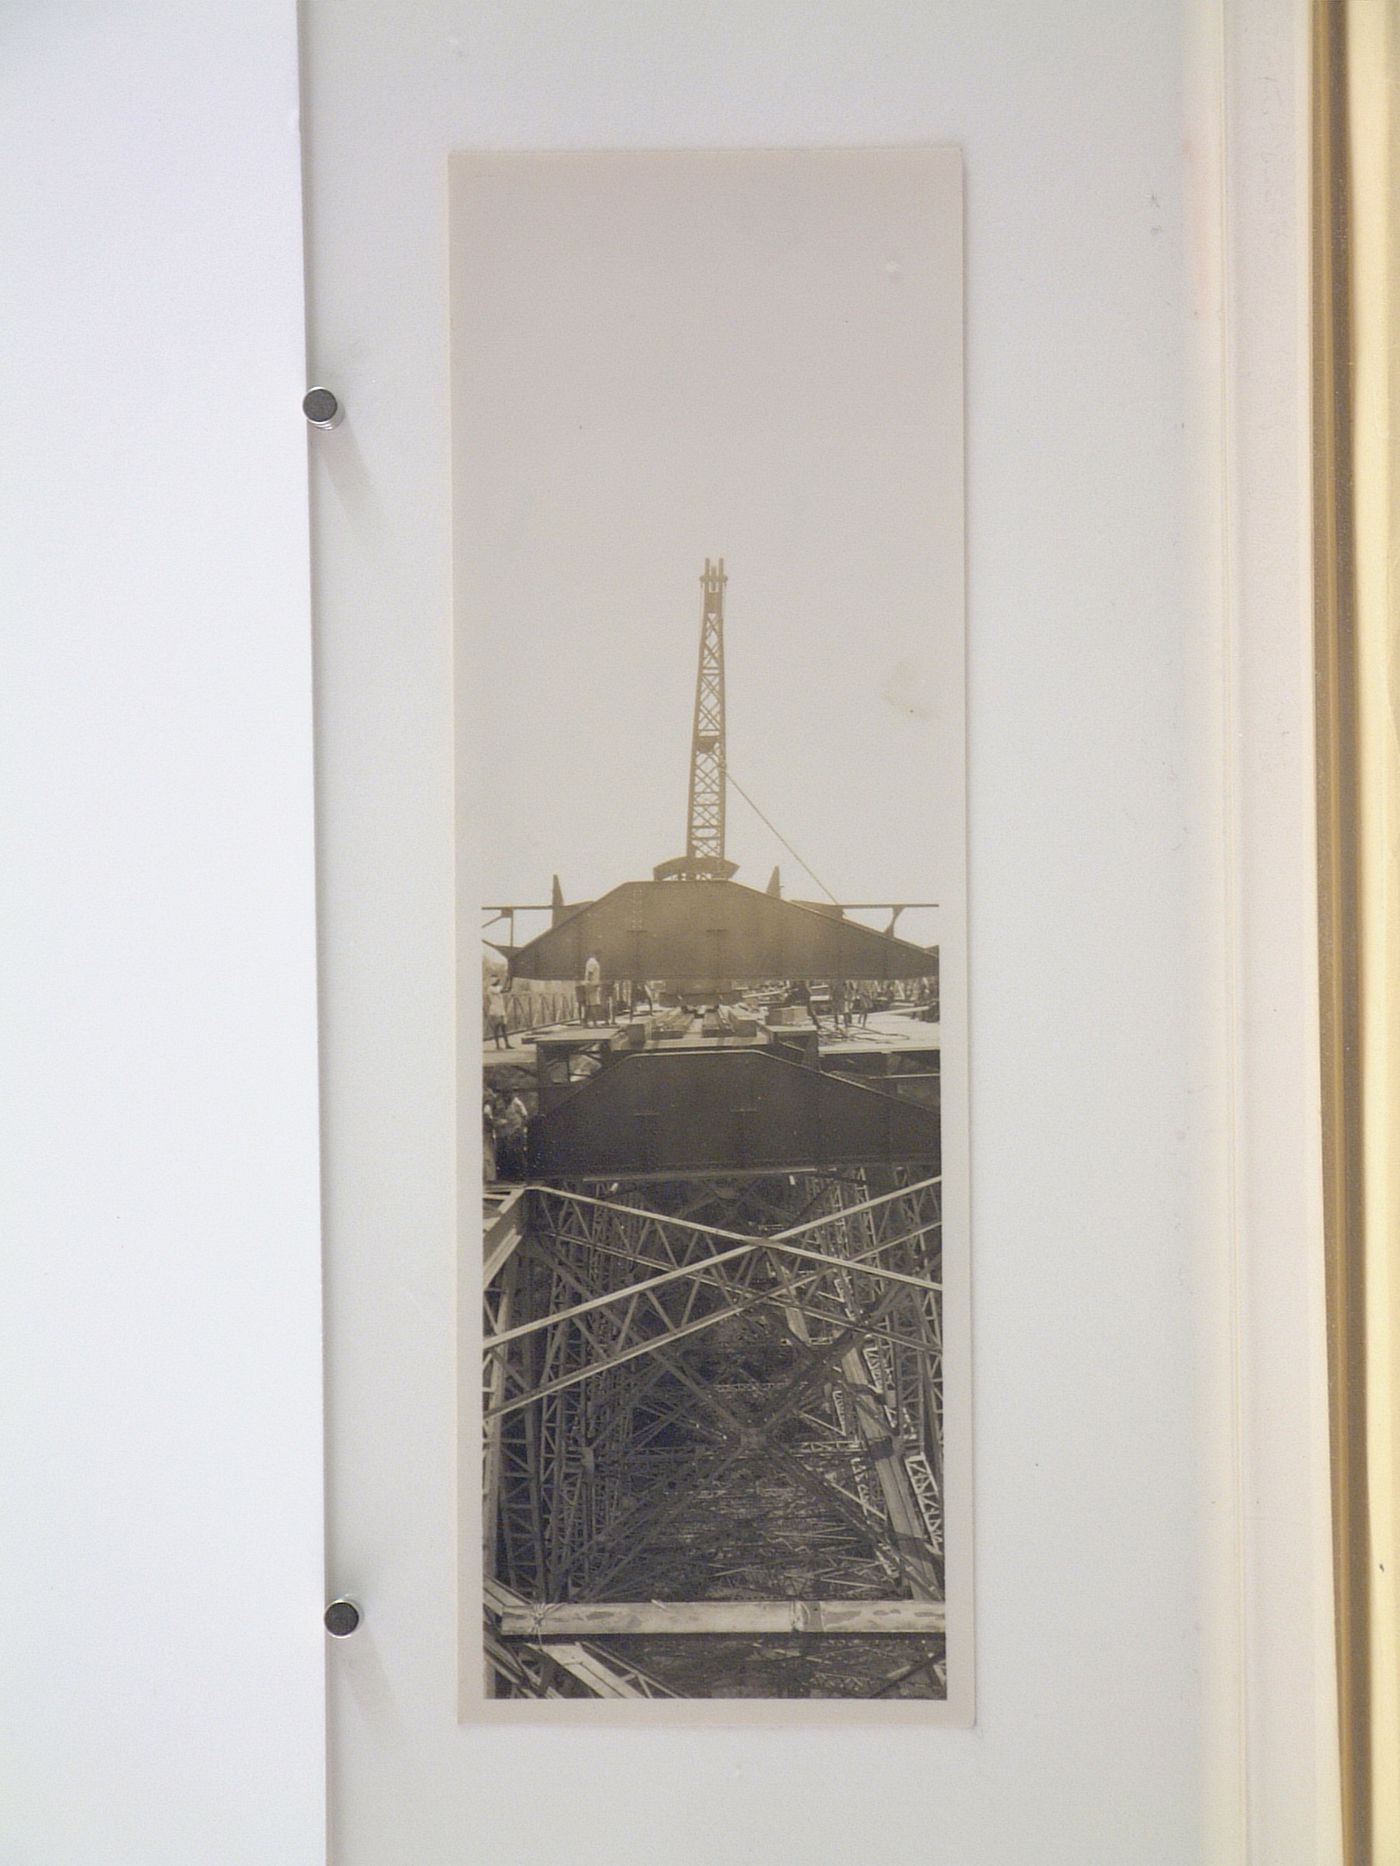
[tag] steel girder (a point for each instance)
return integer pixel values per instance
(681, 1112)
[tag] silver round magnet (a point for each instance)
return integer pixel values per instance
(342, 1617)
(322, 408)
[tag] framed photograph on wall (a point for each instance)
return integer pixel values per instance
(707, 498)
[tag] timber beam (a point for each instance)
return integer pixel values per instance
(599, 1619)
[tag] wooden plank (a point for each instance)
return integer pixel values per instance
(592, 1619)
(596, 1678)
(602, 1675)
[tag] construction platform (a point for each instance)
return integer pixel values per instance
(884, 1033)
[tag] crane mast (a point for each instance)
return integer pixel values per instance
(704, 846)
(704, 857)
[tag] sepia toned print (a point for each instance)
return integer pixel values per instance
(718, 1318)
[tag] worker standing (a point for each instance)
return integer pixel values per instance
(498, 1015)
(839, 1014)
(592, 990)
(512, 1121)
(488, 1141)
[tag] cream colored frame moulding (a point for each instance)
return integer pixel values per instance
(1373, 73)
(1356, 352)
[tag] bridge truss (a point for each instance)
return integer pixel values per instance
(712, 1425)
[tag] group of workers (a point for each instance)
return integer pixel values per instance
(847, 1004)
(599, 1002)
(505, 1129)
(602, 1000)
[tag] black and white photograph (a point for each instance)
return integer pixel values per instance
(707, 493)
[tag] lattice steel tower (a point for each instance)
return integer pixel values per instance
(704, 845)
(704, 830)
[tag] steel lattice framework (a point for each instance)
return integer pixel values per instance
(622, 1328)
(704, 845)
(712, 1336)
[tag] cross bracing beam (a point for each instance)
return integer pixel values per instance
(766, 1246)
(753, 1294)
(629, 1293)
(699, 1271)
(612, 1355)
(856, 1267)
(641, 1320)
(650, 1345)
(643, 1324)
(654, 1225)
(879, 1201)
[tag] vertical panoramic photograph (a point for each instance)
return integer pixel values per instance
(707, 496)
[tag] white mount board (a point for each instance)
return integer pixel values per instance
(1126, 1605)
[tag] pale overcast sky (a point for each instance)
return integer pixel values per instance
(662, 357)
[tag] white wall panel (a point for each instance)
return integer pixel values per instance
(160, 1433)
